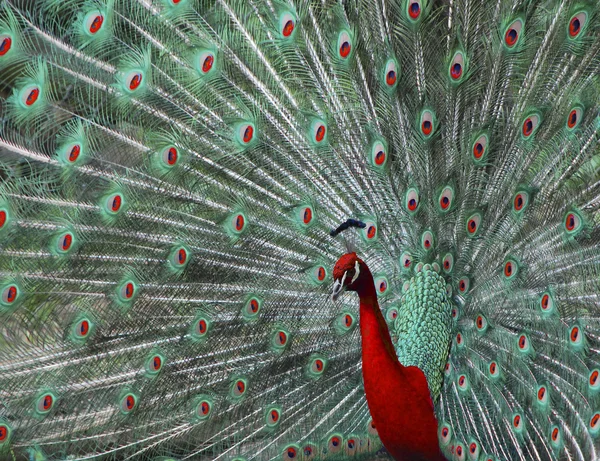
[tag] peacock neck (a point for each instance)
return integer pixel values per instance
(376, 339)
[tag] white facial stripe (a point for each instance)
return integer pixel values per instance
(356, 273)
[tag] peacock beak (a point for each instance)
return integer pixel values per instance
(338, 287)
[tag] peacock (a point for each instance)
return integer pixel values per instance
(265, 230)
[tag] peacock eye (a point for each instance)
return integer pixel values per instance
(127, 290)
(481, 323)
(474, 450)
(448, 263)
(445, 434)
(30, 95)
(523, 344)
(238, 223)
(5, 44)
(463, 285)
(391, 73)
(412, 200)
(378, 154)
(381, 285)
(577, 23)
(511, 269)
(5, 433)
(245, 133)
(427, 123)
(205, 62)
(530, 125)
(319, 273)
(201, 327)
(252, 308)
(128, 403)
(238, 389)
(10, 294)
(114, 203)
(576, 337)
(445, 199)
(319, 131)
(290, 452)
(555, 436)
(406, 260)
(305, 214)
(64, 242)
(82, 328)
(45, 403)
(517, 423)
(512, 34)
(72, 152)
(573, 223)
(287, 24)
(272, 416)
(427, 240)
(473, 224)
(414, 10)
(594, 379)
(154, 364)
(317, 366)
(520, 201)
(280, 338)
(370, 230)
(479, 147)
(169, 156)
(203, 409)
(574, 118)
(134, 80)
(93, 22)
(456, 66)
(542, 395)
(344, 44)
(494, 369)
(595, 423)
(334, 444)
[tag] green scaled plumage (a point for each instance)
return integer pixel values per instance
(170, 171)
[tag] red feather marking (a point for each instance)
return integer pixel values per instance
(398, 396)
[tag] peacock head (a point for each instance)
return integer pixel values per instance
(349, 273)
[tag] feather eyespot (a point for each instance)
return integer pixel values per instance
(239, 388)
(481, 323)
(290, 453)
(574, 117)
(65, 242)
(456, 66)
(445, 199)
(594, 380)
(594, 420)
(10, 294)
(155, 364)
(3, 218)
(406, 260)
(321, 273)
(572, 223)
(128, 403)
(74, 152)
(382, 286)
(203, 408)
(459, 339)
(542, 395)
(378, 154)
(307, 215)
(510, 269)
(414, 10)
(205, 62)
(412, 200)
(391, 73)
(344, 44)
(448, 263)
(463, 285)
(445, 434)
(134, 80)
(454, 313)
(170, 156)
(334, 444)
(426, 127)
(427, 240)
(348, 321)
(517, 422)
(82, 328)
(45, 403)
(4, 433)
(524, 344)
(577, 23)
(512, 34)
(370, 231)
(114, 203)
(252, 308)
(317, 366)
(530, 125)
(473, 223)
(479, 147)
(280, 338)
(30, 95)
(555, 436)
(238, 223)
(201, 327)
(520, 201)
(493, 369)
(391, 314)
(94, 22)
(272, 416)
(127, 290)
(287, 24)
(5, 44)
